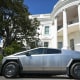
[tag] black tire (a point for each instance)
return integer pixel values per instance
(10, 70)
(75, 70)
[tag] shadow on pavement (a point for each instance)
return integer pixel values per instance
(60, 77)
(45, 76)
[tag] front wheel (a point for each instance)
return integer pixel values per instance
(10, 70)
(75, 70)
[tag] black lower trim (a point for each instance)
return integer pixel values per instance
(44, 72)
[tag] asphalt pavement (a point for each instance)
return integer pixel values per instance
(32, 77)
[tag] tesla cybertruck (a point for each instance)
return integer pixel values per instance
(42, 61)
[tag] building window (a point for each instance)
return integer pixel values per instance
(60, 45)
(46, 31)
(46, 44)
(72, 44)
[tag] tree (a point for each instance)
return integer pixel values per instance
(30, 34)
(15, 23)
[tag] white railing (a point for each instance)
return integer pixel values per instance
(73, 21)
(69, 23)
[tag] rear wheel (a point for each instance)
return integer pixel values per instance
(10, 70)
(75, 70)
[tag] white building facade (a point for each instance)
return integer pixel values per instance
(61, 28)
(45, 29)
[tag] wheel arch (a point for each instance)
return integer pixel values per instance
(71, 62)
(12, 60)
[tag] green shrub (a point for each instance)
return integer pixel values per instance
(13, 48)
(1, 57)
(9, 50)
(16, 46)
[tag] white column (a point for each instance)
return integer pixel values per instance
(79, 15)
(55, 33)
(65, 31)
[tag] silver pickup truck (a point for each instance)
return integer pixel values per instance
(42, 61)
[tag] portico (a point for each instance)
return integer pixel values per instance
(62, 25)
(66, 21)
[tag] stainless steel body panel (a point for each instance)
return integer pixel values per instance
(32, 63)
(52, 62)
(25, 61)
(67, 56)
(65, 61)
(36, 62)
(45, 62)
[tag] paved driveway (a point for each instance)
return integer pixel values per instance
(61, 77)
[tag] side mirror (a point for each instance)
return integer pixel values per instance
(28, 54)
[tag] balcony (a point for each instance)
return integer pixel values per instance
(69, 23)
(61, 4)
(73, 21)
(73, 26)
